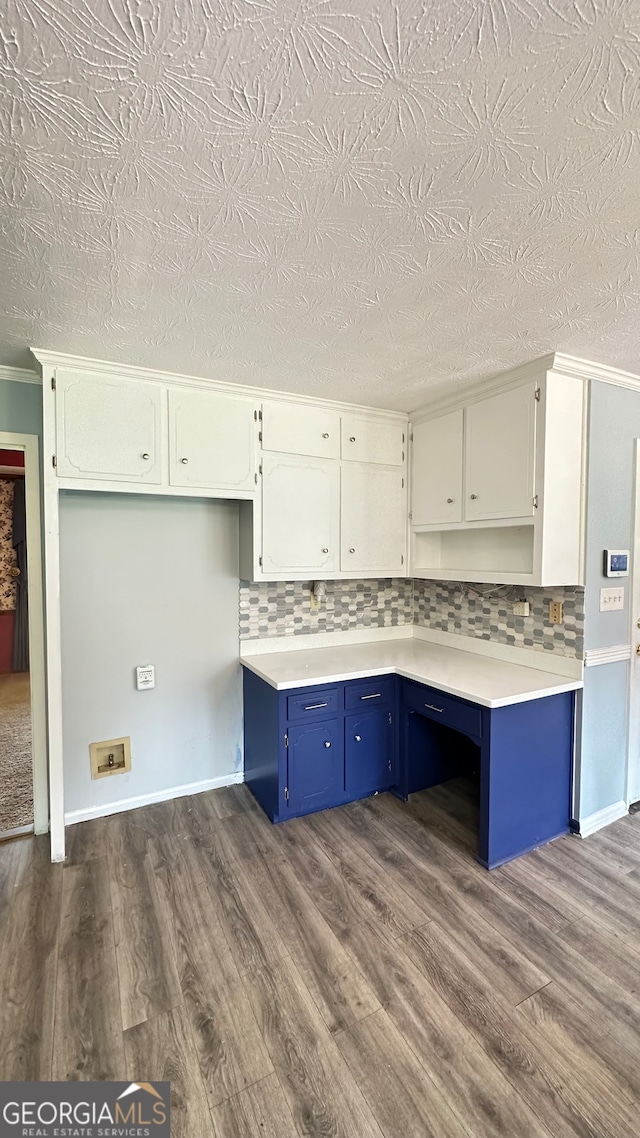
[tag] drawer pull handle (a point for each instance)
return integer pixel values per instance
(358, 738)
(325, 435)
(146, 456)
(325, 548)
(314, 706)
(184, 461)
(474, 497)
(352, 439)
(327, 744)
(432, 707)
(374, 695)
(449, 501)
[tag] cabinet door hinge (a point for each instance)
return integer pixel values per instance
(260, 469)
(260, 415)
(411, 437)
(286, 793)
(537, 394)
(54, 460)
(286, 739)
(390, 718)
(53, 384)
(403, 456)
(255, 478)
(259, 561)
(259, 436)
(402, 558)
(403, 478)
(403, 436)
(535, 501)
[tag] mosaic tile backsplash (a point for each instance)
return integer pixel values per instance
(283, 608)
(451, 607)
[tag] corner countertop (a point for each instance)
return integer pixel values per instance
(469, 675)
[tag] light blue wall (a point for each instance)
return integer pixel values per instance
(20, 407)
(614, 424)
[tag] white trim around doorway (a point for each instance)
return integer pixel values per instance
(29, 445)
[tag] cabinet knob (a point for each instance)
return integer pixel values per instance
(184, 461)
(325, 549)
(474, 497)
(327, 743)
(352, 438)
(352, 550)
(325, 435)
(358, 738)
(449, 501)
(145, 455)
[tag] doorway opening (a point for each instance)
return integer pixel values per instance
(23, 790)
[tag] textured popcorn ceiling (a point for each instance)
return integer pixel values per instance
(337, 197)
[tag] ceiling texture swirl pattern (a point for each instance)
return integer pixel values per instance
(354, 200)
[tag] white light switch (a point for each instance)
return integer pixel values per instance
(611, 599)
(145, 677)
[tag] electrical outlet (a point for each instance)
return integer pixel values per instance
(555, 612)
(521, 608)
(145, 677)
(611, 599)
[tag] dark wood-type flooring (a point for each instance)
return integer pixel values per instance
(353, 973)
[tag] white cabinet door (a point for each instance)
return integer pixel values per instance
(108, 428)
(436, 470)
(300, 515)
(212, 440)
(294, 428)
(500, 455)
(373, 440)
(373, 519)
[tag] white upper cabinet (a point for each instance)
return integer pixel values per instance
(300, 516)
(295, 428)
(373, 519)
(109, 428)
(436, 470)
(212, 440)
(373, 440)
(500, 455)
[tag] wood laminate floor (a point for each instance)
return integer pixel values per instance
(354, 973)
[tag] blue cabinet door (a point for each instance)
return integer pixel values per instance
(368, 752)
(315, 766)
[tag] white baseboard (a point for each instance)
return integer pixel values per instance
(602, 818)
(104, 810)
(324, 639)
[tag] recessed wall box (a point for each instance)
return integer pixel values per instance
(111, 756)
(616, 562)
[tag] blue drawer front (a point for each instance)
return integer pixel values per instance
(430, 702)
(366, 694)
(322, 703)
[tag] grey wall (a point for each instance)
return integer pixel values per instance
(614, 424)
(21, 407)
(149, 580)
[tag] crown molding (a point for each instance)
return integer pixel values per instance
(19, 375)
(176, 379)
(586, 369)
(556, 362)
(492, 383)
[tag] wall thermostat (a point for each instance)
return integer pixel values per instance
(616, 562)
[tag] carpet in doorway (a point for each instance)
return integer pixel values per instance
(16, 779)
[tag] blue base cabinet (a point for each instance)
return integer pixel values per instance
(309, 749)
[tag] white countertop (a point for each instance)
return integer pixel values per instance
(480, 679)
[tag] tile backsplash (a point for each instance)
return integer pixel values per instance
(452, 607)
(283, 608)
